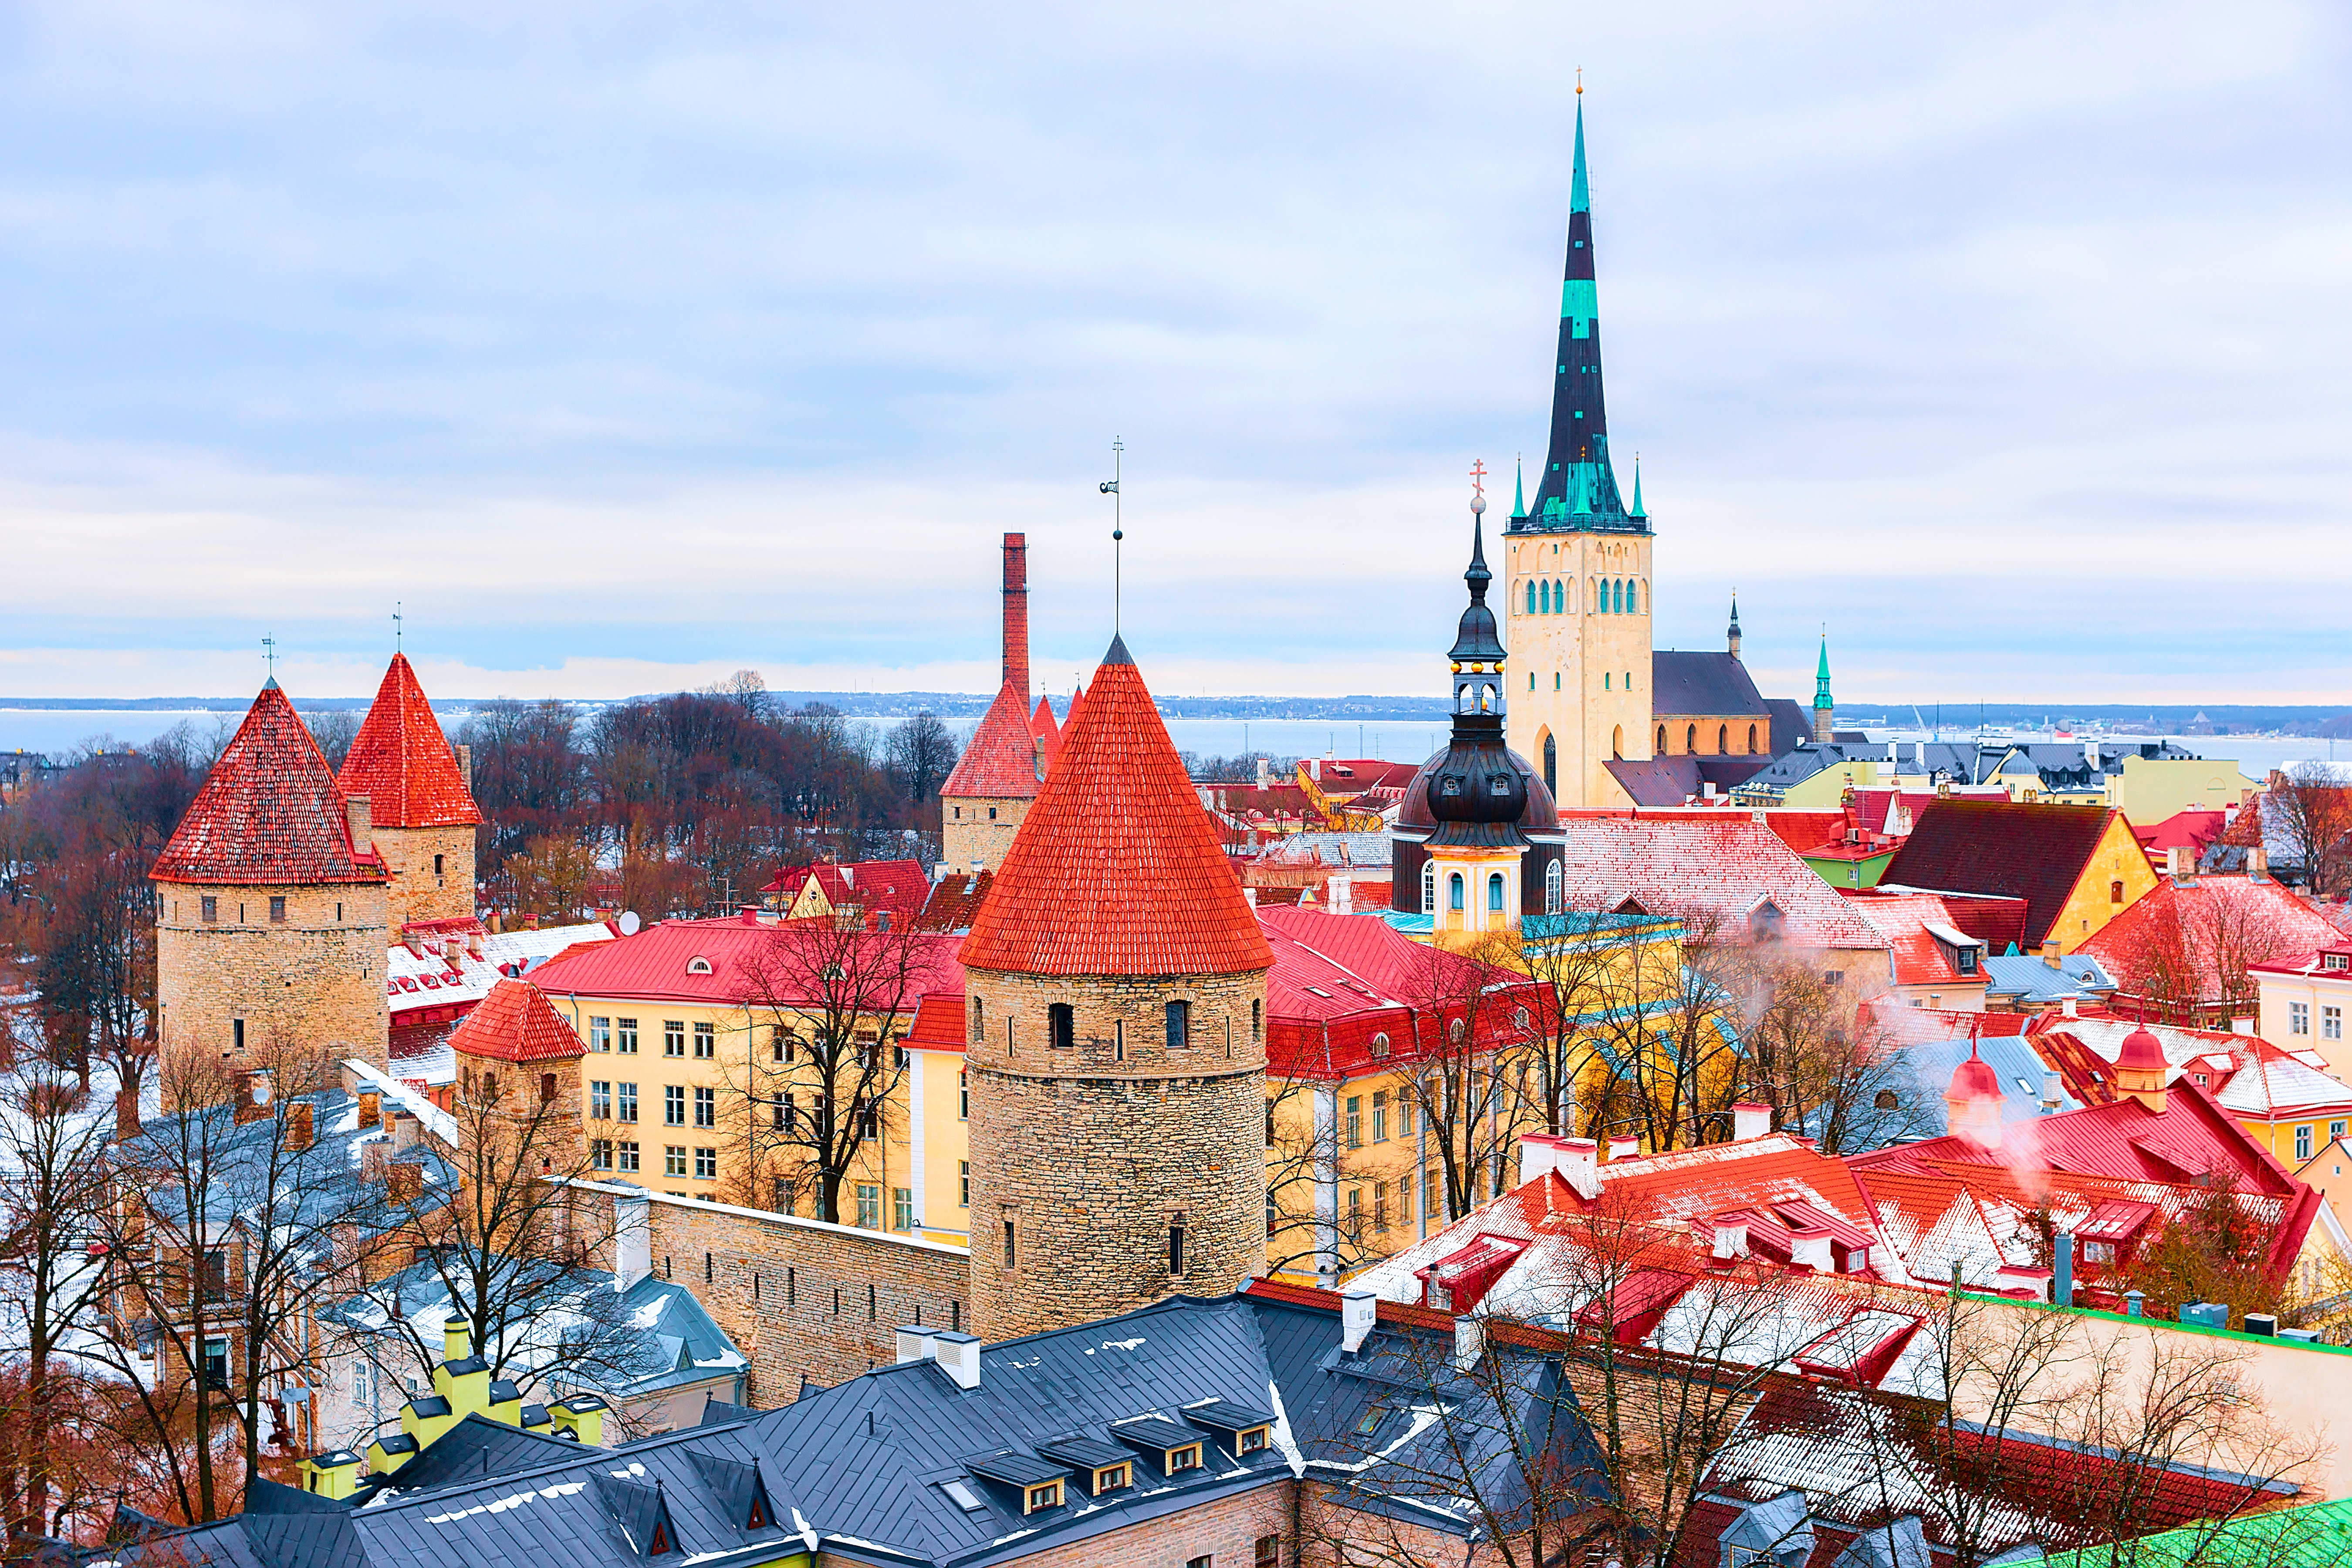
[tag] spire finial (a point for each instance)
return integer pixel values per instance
(396, 625)
(269, 658)
(1579, 190)
(1637, 511)
(1109, 487)
(1519, 487)
(1580, 81)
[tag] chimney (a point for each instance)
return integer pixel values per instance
(126, 1115)
(1016, 614)
(2062, 1283)
(1249, 896)
(2050, 954)
(1579, 1165)
(298, 1125)
(914, 1343)
(371, 1108)
(2258, 863)
(632, 1240)
(1469, 1341)
(1359, 1311)
(465, 766)
(456, 1339)
(1625, 1149)
(404, 1182)
(1342, 889)
(1750, 1119)
(252, 1095)
(2069, 1005)
(2053, 1097)
(355, 817)
(959, 1355)
(1730, 1235)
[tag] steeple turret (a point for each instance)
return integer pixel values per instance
(1731, 633)
(1824, 705)
(1579, 488)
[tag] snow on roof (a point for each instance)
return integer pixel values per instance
(435, 1121)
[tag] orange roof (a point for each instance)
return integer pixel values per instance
(516, 1023)
(1043, 733)
(269, 814)
(1117, 868)
(1000, 761)
(402, 762)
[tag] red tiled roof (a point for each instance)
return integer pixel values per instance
(1713, 863)
(1999, 923)
(898, 885)
(2031, 851)
(955, 900)
(1116, 869)
(1043, 733)
(1903, 919)
(1805, 831)
(269, 814)
(402, 762)
(2213, 924)
(939, 1022)
(657, 963)
(516, 1023)
(1000, 761)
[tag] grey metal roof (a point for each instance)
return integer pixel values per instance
(1698, 684)
(863, 1468)
(2036, 984)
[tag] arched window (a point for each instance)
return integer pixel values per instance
(1559, 597)
(1662, 740)
(1551, 763)
(1621, 598)
(1617, 743)
(1633, 597)
(978, 1029)
(1690, 739)
(1751, 739)
(2115, 893)
(1531, 595)
(1722, 738)
(1551, 888)
(1428, 888)
(1494, 892)
(1453, 892)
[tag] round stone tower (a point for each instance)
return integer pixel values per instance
(1115, 1039)
(269, 907)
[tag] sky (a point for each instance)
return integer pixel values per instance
(627, 346)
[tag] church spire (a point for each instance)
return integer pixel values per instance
(1824, 705)
(1519, 490)
(1578, 489)
(1731, 633)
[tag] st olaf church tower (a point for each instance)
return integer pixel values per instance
(1576, 567)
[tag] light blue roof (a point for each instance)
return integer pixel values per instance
(1922, 1072)
(2036, 984)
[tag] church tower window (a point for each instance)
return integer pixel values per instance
(1751, 739)
(1551, 758)
(1723, 737)
(1494, 892)
(1429, 887)
(1662, 740)
(1690, 741)
(1453, 892)
(1531, 595)
(1552, 889)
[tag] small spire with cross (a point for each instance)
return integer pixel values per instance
(396, 625)
(1479, 477)
(269, 658)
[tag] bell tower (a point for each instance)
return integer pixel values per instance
(1476, 853)
(1576, 567)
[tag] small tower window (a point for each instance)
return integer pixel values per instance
(1494, 892)
(1428, 883)
(1011, 1245)
(1453, 892)
(1552, 889)
(1176, 1244)
(978, 1026)
(1722, 738)
(1661, 739)
(1751, 739)
(1550, 759)
(1559, 597)
(1061, 1026)
(278, 909)
(1632, 598)
(1533, 597)
(1180, 1025)
(1690, 739)
(1257, 1019)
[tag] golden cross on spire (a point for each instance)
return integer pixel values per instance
(1479, 476)
(1580, 81)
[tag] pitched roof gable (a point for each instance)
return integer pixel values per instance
(516, 1023)
(1116, 869)
(1000, 761)
(2031, 851)
(402, 762)
(270, 813)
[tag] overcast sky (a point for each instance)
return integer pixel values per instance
(628, 346)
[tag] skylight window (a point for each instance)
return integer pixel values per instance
(1371, 1424)
(960, 1494)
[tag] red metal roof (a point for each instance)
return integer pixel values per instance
(1000, 761)
(1340, 983)
(2014, 848)
(269, 814)
(657, 964)
(1116, 869)
(516, 1023)
(2202, 929)
(402, 762)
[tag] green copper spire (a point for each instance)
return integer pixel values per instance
(1579, 194)
(1519, 493)
(1637, 511)
(1821, 697)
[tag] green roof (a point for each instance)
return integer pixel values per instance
(2318, 1536)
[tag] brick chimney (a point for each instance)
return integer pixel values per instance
(371, 1108)
(405, 1181)
(298, 1125)
(465, 766)
(355, 816)
(252, 1095)
(1017, 612)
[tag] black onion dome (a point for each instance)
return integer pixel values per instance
(1475, 640)
(1540, 813)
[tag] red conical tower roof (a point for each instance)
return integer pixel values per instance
(1000, 763)
(1117, 868)
(402, 762)
(517, 1023)
(270, 813)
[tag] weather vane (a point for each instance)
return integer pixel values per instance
(396, 625)
(1580, 81)
(269, 656)
(1109, 487)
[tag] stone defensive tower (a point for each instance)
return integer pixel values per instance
(1116, 1039)
(420, 798)
(270, 907)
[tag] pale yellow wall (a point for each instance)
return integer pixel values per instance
(1826, 791)
(2150, 789)
(2274, 995)
(1569, 671)
(2118, 858)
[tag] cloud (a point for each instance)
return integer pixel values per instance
(625, 346)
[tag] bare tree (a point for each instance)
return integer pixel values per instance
(1466, 1072)
(1819, 1055)
(920, 752)
(334, 729)
(55, 1187)
(1572, 958)
(2312, 804)
(1671, 1064)
(825, 1000)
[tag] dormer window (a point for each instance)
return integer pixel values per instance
(1047, 1494)
(1187, 1458)
(697, 966)
(1110, 1478)
(2335, 960)
(1251, 1441)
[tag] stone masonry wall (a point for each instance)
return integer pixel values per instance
(800, 1298)
(1094, 1151)
(316, 980)
(967, 833)
(415, 894)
